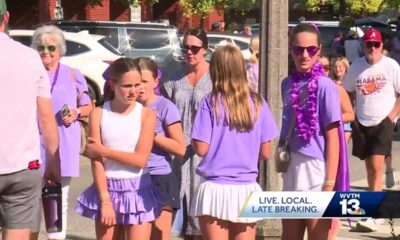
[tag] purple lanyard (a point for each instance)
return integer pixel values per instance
(55, 78)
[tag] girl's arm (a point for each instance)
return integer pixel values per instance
(173, 142)
(139, 157)
(345, 105)
(99, 176)
(332, 155)
(199, 147)
(265, 150)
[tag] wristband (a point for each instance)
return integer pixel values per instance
(329, 183)
(104, 197)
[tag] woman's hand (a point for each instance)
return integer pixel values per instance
(107, 214)
(72, 117)
(94, 149)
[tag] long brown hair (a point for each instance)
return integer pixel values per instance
(231, 89)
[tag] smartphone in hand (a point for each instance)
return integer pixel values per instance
(65, 111)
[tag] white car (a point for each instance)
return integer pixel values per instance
(216, 39)
(91, 54)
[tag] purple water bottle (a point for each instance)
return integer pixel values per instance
(51, 199)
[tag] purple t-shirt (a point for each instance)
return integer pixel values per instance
(65, 91)
(167, 114)
(328, 112)
(232, 156)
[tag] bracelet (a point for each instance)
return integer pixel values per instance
(103, 204)
(329, 183)
(104, 196)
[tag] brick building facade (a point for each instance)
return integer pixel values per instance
(28, 13)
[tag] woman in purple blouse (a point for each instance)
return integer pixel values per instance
(68, 87)
(233, 127)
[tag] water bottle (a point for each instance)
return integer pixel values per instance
(52, 207)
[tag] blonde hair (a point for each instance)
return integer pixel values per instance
(231, 90)
(254, 47)
(346, 64)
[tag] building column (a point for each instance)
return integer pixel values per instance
(274, 68)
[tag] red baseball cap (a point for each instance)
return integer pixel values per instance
(372, 35)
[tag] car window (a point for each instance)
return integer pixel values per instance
(147, 38)
(111, 34)
(214, 41)
(26, 40)
(241, 45)
(327, 35)
(109, 46)
(74, 48)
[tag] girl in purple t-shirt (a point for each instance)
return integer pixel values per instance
(168, 139)
(314, 143)
(233, 127)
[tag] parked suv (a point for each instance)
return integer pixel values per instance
(155, 40)
(90, 54)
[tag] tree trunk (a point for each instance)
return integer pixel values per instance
(342, 8)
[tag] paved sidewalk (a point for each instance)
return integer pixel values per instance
(80, 228)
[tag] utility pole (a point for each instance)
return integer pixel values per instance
(273, 69)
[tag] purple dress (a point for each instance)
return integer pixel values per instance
(65, 91)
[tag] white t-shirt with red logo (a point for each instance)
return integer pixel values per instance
(376, 88)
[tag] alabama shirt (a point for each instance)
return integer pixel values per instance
(376, 88)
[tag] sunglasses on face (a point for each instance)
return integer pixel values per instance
(326, 67)
(373, 44)
(311, 50)
(50, 48)
(193, 49)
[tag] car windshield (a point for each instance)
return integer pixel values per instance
(109, 47)
(148, 38)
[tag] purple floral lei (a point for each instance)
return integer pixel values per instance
(306, 115)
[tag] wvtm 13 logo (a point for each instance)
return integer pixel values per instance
(350, 203)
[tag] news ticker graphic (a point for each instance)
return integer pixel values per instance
(322, 205)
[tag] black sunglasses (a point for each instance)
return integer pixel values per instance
(193, 49)
(373, 44)
(50, 48)
(311, 50)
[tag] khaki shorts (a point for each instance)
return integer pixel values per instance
(19, 198)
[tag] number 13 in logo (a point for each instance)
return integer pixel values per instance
(351, 207)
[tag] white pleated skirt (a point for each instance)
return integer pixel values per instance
(304, 173)
(222, 201)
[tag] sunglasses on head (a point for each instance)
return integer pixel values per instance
(193, 49)
(373, 44)
(311, 50)
(50, 48)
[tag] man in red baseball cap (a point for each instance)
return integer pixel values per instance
(373, 82)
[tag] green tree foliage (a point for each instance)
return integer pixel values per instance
(134, 3)
(353, 7)
(204, 7)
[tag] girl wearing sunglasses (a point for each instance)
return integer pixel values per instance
(68, 87)
(311, 100)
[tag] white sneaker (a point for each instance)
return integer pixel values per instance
(389, 180)
(369, 224)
